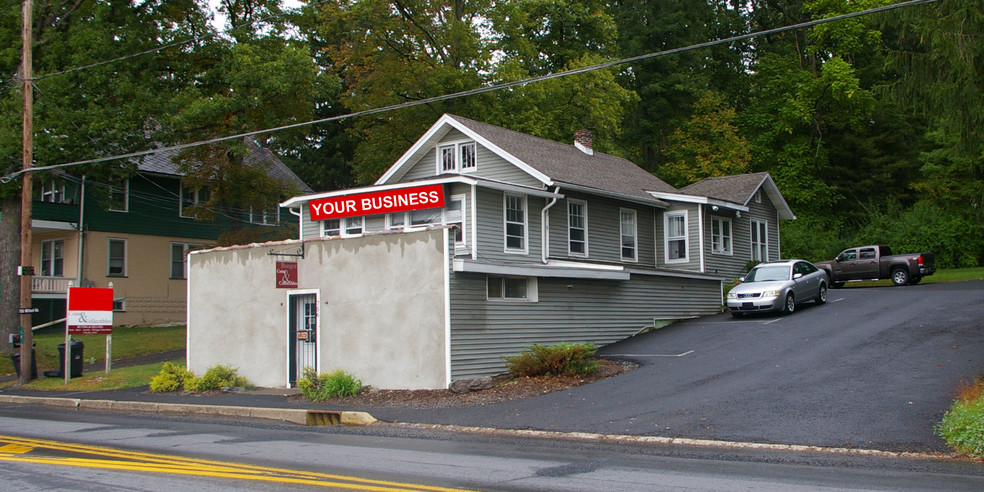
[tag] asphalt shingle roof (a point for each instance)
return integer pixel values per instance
(565, 163)
(735, 189)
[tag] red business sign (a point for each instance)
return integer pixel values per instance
(90, 311)
(286, 275)
(378, 202)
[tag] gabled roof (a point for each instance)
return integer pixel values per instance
(552, 163)
(741, 189)
(163, 163)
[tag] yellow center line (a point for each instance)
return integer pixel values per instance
(15, 449)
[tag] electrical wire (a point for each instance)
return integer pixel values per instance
(482, 90)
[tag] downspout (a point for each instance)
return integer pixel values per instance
(81, 257)
(545, 228)
(700, 235)
(300, 222)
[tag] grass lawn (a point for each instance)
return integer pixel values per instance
(127, 342)
(124, 377)
(941, 276)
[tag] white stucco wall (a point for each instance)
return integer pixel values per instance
(382, 313)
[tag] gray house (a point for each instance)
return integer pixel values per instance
(476, 243)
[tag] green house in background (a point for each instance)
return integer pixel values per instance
(135, 235)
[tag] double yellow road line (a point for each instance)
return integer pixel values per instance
(25, 450)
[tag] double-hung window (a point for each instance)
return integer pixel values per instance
(261, 216)
(721, 235)
(179, 258)
(676, 237)
(349, 226)
(760, 241)
(192, 198)
(119, 196)
(577, 228)
(454, 214)
(515, 223)
(53, 192)
(52, 258)
(456, 158)
(116, 258)
(629, 234)
(331, 227)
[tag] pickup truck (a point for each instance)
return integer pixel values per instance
(875, 263)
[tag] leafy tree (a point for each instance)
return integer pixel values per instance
(707, 145)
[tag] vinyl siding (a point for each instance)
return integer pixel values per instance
(491, 227)
(693, 238)
(604, 231)
(568, 310)
(487, 165)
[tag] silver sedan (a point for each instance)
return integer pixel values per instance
(778, 286)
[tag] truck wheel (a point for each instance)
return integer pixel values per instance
(914, 280)
(900, 276)
(837, 285)
(790, 304)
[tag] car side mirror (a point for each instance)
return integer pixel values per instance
(797, 275)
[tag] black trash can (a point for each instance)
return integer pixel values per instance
(15, 358)
(75, 357)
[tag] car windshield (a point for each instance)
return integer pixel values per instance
(768, 274)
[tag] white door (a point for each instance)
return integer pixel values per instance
(303, 335)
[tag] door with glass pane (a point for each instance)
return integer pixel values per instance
(302, 332)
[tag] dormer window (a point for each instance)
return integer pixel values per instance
(456, 158)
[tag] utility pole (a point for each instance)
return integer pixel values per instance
(27, 192)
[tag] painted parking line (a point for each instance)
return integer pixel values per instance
(37, 451)
(651, 355)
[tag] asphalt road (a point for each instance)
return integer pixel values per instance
(874, 368)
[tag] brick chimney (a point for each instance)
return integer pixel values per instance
(583, 140)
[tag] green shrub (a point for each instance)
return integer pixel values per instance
(217, 377)
(171, 377)
(963, 426)
(320, 387)
(563, 359)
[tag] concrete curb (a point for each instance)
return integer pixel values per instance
(292, 415)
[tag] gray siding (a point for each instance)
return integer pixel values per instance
(693, 238)
(726, 265)
(487, 165)
(604, 231)
(491, 227)
(569, 310)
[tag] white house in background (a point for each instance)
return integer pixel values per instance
(478, 242)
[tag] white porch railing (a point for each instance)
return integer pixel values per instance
(50, 285)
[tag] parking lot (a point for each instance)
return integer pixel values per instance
(875, 367)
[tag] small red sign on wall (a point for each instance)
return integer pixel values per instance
(378, 202)
(90, 311)
(286, 275)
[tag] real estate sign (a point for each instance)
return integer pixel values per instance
(90, 311)
(378, 202)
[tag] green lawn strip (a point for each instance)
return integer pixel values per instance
(124, 377)
(127, 342)
(941, 276)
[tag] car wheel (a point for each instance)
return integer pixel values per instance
(735, 314)
(900, 276)
(837, 285)
(790, 304)
(822, 294)
(914, 280)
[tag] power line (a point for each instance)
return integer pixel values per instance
(482, 90)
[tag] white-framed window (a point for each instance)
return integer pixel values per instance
(116, 258)
(456, 157)
(352, 226)
(269, 216)
(119, 304)
(577, 228)
(52, 258)
(119, 196)
(721, 236)
(454, 214)
(331, 227)
(426, 217)
(514, 212)
(179, 258)
(53, 192)
(191, 198)
(758, 196)
(760, 241)
(677, 241)
(504, 288)
(629, 233)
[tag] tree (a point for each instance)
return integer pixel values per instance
(706, 145)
